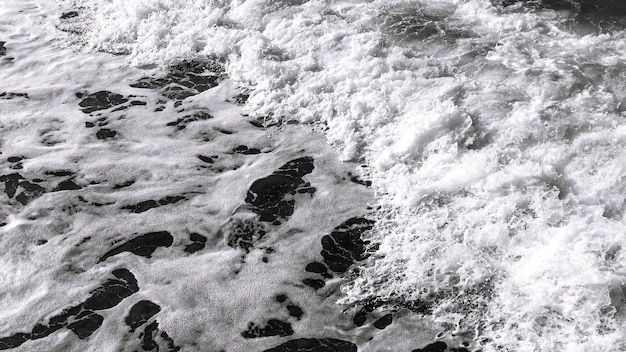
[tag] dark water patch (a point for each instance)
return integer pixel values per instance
(208, 159)
(11, 95)
(86, 325)
(15, 159)
(241, 98)
(13, 341)
(105, 133)
(412, 24)
(318, 268)
(383, 322)
(81, 319)
(59, 173)
(438, 346)
(11, 183)
(198, 243)
(151, 204)
(243, 233)
(140, 313)
(257, 123)
(29, 192)
(316, 284)
(273, 327)
(3, 49)
(112, 291)
(154, 339)
(123, 185)
(16, 162)
(242, 149)
(68, 15)
(143, 245)
(182, 122)
(358, 180)
(344, 246)
(556, 5)
(315, 345)
(281, 298)
(184, 80)
(600, 15)
(271, 197)
(99, 122)
(99, 101)
(295, 311)
(359, 318)
(67, 185)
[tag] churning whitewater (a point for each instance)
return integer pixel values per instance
(493, 134)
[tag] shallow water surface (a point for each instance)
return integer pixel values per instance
(269, 175)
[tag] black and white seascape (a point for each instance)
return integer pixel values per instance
(313, 176)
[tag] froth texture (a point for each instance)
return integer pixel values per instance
(493, 132)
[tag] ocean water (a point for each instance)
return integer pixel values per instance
(276, 175)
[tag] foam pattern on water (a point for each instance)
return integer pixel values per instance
(494, 137)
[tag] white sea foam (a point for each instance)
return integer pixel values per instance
(494, 138)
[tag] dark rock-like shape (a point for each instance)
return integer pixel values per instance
(268, 196)
(383, 322)
(100, 101)
(143, 245)
(140, 313)
(315, 345)
(438, 346)
(242, 149)
(86, 325)
(344, 246)
(112, 291)
(243, 233)
(274, 327)
(295, 311)
(70, 14)
(105, 133)
(199, 242)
